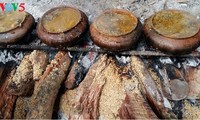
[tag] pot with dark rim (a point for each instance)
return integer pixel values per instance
(116, 30)
(14, 26)
(173, 31)
(62, 26)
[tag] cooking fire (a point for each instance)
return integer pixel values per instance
(122, 59)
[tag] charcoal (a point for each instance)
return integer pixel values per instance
(79, 70)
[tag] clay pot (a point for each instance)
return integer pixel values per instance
(116, 30)
(14, 26)
(62, 26)
(173, 31)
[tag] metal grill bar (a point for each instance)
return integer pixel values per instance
(93, 49)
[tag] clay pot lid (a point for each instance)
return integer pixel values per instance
(115, 22)
(11, 20)
(61, 19)
(175, 24)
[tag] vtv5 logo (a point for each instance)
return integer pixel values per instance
(12, 7)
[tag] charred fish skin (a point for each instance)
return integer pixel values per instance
(135, 107)
(22, 83)
(7, 101)
(150, 89)
(45, 94)
(70, 81)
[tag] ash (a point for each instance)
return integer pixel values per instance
(7, 56)
(141, 8)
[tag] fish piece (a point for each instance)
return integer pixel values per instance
(22, 105)
(192, 76)
(6, 101)
(41, 106)
(22, 83)
(71, 78)
(135, 106)
(39, 60)
(191, 110)
(150, 89)
(119, 89)
(20, 110)
(71, 98)
(105, 93)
